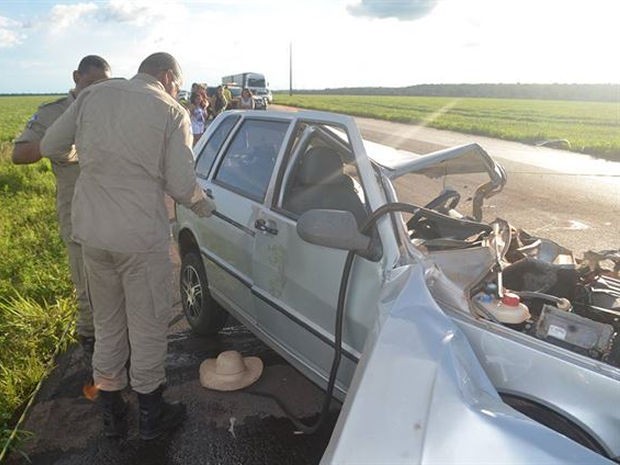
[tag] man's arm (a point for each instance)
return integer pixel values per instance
(59, 137)
(179, 174)
(26, 152)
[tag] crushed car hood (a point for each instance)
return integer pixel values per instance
(421, 390)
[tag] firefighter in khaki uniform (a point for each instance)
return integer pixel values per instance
(135, 144)
(26, 150)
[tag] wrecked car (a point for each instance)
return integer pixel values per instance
(450, 337)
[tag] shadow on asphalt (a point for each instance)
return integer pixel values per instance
(222, 428)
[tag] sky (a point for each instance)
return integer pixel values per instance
(326, 43)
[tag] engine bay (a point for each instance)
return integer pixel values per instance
(539, 288)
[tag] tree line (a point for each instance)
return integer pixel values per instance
(586, 92)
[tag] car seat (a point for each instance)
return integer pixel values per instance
(321, 183)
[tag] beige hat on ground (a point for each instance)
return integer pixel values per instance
(230, 371)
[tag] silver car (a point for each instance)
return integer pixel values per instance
(450, 338)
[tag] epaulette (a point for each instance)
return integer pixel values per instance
(60, 100)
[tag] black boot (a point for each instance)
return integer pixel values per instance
(88, 348)
(158, 416)
(114, 414)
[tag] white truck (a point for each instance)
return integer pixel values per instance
(256, 82)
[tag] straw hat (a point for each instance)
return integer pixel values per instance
(230, 371)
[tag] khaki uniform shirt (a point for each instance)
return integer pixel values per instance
(66, 171)
(134, 142)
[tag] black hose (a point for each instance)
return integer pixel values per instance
(342, 294)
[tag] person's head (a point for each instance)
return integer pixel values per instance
(246, 92)
(195, 98)
(165, 69)
(92, 68)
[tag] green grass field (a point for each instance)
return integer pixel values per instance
(590, 127)
(36, 297)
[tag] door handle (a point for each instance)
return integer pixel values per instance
(264, 226)
(209, 193)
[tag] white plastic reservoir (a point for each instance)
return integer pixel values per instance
(509, 309)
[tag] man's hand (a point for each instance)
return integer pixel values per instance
(204, 207)
(26, 152)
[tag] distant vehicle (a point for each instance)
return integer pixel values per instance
(371, 270)
(183, 95)
(259, 102)
(256, 82)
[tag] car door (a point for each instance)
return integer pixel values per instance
(238, 183)
(296, 284)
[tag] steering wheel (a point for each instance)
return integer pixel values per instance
(443, 203)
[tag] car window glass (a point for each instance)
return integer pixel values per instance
(324, 173)
(213, 145)
(248, 162)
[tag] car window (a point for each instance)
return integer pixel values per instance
(323, 175)
(213, 145)
(248, 163)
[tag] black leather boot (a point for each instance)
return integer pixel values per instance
(158, 416)
(87, 343)
(88, 348)
(114, 414)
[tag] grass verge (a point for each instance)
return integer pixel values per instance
(590, 127)
(36, 296)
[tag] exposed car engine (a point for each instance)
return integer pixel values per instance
(541, 290)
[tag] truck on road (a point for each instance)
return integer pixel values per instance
(256, 82)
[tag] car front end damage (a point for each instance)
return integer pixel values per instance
(420, 388)
(483, 317)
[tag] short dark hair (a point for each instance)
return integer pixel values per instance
(158, 62)
(92, 61)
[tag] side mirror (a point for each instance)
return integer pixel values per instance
(332, 228)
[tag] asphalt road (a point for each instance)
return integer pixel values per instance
(569, 198)
(222, 428)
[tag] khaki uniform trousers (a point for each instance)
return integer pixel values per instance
(130, 294)
(66, 176)
(85, 326)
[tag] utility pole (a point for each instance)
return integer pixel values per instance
(290, 69)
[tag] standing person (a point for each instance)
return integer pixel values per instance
(26, 150)
(135, 143)
(228, 95)
(197, 114)
(246, 101)
(220, 101)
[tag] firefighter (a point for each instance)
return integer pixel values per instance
(91, 68)
(135, 145)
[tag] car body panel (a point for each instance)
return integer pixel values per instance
(413, 302)
(420, 389)
(534, 372)
(228, 245)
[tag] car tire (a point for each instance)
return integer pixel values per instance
(203, 313)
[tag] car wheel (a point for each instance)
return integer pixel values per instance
(203, 313)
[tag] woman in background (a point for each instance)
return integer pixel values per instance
(198, 114)
(246, 102)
